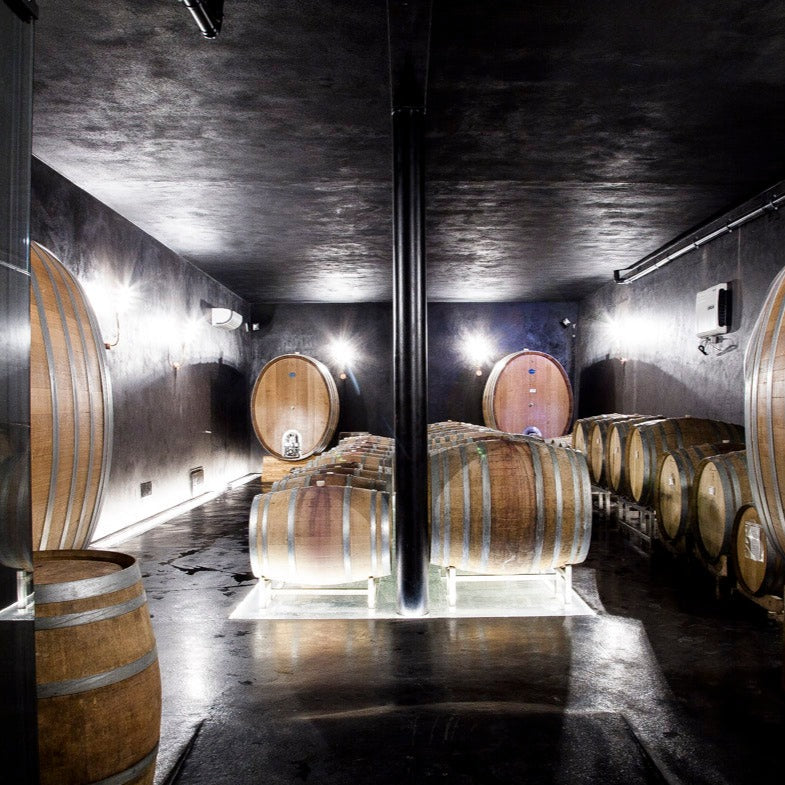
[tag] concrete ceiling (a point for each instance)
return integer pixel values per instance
(566, 138)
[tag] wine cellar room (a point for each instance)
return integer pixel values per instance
(392, 392)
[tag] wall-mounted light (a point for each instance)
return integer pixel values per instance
(343, 353)
(110, 302)
(477, 349)
(225, 318)
(208, 15)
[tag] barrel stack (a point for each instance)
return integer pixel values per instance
(500, 504)
(98, 681)
(329, 521)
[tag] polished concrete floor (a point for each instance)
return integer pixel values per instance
(662, 683)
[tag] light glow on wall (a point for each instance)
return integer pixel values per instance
(630, 333)
(110, 300)
(477, 349)
(343, 352)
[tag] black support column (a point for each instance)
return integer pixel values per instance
(409, 27)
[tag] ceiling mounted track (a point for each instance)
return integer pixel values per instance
(768, 201)
(208, 15)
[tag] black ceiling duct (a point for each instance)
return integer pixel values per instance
(208, 15)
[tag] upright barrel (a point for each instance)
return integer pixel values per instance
(722, 488)
(525, 390)
(294, 407)
(759, 568)
(70, 408)
(764, 413)
(581, 429)
(677, 476)
(99, 686)
(320, 535)
(616, 450)
(508, 507)
(597, 442)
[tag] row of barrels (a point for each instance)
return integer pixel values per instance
(499, 504)
(701, 493)
(704, 507)
(623, 450)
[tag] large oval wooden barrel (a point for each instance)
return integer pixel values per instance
(70, 408)
(673, 497)
(528, 389)
(99, 687)
(320, 535)
(759, 568)
(615, 465)
(650, 440)
(509, 507)
(722, 488)
(764, 413)
(294, 407)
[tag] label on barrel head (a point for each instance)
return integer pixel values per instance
(752, 541)
(291, 444)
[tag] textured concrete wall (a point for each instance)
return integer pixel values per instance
(179, 385)
(454, 390)
(637, 343)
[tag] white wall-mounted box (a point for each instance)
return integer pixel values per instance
(712, 310)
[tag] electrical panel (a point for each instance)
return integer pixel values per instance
(713, 310)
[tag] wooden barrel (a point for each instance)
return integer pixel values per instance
(70, 408)
(99, 687)
(294, 407)
(581, 429)
(343, 467)
(366, 440)
(650, 440)
(674, 498)
(446, 440)
(764, 413)
(615, 466)
(528, 389)
(597, 443)
(320, 535)
(364, 459)
(509, 507)
(443, 434)
(332, 477)
(759, 568)
(722, 488)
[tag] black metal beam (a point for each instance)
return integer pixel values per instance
(409, 27)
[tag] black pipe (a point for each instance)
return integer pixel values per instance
(208, 15)
(410, 362)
